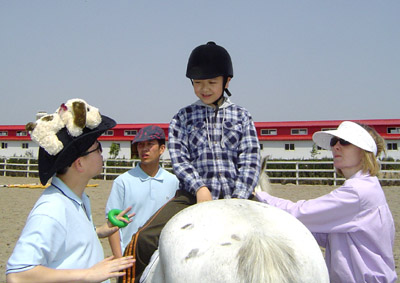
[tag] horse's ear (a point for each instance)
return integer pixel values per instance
(263, 182)
(264, 163)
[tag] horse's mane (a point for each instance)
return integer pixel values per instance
(266, 259)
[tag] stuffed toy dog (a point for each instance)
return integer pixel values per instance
(75, 115)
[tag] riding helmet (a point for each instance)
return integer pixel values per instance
(209, 61)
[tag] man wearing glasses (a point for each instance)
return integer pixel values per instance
(59, 242)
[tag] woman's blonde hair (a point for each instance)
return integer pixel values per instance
(369, 160)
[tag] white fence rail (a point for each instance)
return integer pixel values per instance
(296, 172)
(12, 167)
(322, 172)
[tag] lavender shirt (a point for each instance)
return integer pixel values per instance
(354, 225)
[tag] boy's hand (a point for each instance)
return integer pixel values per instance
(203, 194)
(107, 229)
(121, 217)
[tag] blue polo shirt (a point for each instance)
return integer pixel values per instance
(59, 233)
(144, 193)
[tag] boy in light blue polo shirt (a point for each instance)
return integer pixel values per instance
(145, 188)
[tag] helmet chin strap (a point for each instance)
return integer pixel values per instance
(220, 100)
(217, 103)
(224, 87)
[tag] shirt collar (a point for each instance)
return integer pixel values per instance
(227, 102)
(66, 191)
(144, 177)
(359, 174)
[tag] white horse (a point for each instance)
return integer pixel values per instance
(236, 241)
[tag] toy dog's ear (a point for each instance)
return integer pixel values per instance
(44, 133)
(30, 126)
(93, 117)
(79, 110)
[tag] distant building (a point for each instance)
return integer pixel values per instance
(293, 140)
(279, 140)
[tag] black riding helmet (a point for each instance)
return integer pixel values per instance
(209, 61)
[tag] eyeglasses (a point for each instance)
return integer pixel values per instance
(98, 148)
(334, 141)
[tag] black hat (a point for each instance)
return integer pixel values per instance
(60, 143)
(209, 61)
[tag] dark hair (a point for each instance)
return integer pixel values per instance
(62, 171)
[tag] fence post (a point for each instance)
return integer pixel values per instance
(334, 177)
(104, 170)
(297, 173)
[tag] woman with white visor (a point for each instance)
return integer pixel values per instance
(353, 222)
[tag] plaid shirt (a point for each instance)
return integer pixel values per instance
(220, 151)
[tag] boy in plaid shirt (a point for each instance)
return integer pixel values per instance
(213, 143)
(213, 146)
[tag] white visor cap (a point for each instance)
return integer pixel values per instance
(349, 131)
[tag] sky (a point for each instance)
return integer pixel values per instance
(293, 60)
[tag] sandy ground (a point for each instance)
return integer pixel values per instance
(16, 204)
